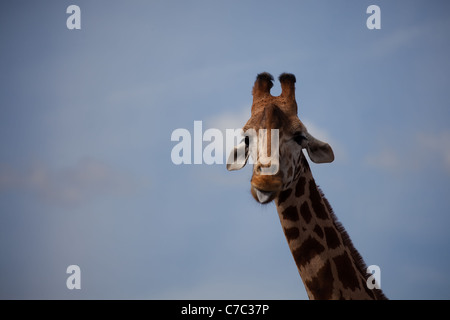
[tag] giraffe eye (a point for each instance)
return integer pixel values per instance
(247, 140)
(299, 138)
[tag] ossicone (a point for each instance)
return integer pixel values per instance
(287, 81)
(262, 85)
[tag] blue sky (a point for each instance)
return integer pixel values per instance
(86, 119)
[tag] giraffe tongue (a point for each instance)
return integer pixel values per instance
(263, 196)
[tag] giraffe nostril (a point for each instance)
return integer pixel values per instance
(266, 169)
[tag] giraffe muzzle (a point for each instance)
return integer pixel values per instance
(265, 188)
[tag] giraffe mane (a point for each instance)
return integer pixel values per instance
(359, 261)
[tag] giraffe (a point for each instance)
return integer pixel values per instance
(329, 265)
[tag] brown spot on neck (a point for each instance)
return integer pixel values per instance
(305, 212)
(307, 250)
(316, 201)
(321, 286)
(291, 233)
(332, 237)
(318, 230)
(346, 271)
(284, 195)
(300, 187)
(290, 213)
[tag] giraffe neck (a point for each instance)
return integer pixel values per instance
(329, 265)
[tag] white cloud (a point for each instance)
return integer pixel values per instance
(323, 135)
(427, 150)
(70, 186)
(437, 147)
(234, 119)
(386, 159)
(398, 39)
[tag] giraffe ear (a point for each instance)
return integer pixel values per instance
(318, 151)
(238, 157)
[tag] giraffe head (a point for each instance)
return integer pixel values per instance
(270, 112)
